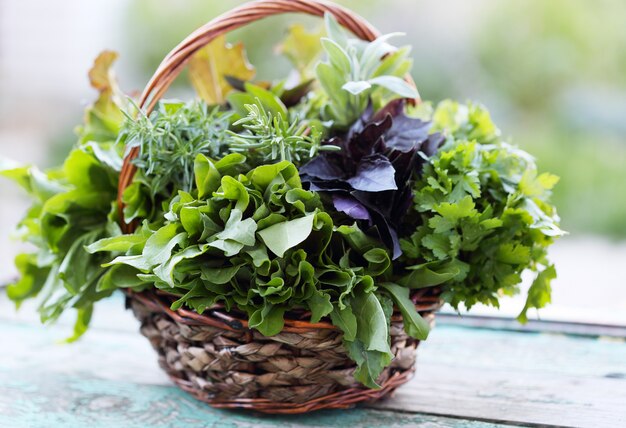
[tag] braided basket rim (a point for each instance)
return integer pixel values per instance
(426, 300)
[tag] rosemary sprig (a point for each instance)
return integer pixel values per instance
(269, 137)
(170, 139)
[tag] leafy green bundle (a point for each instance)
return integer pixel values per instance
(328, 196)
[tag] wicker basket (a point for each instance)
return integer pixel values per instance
(215, 356)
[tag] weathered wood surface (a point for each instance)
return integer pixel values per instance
(466, 377)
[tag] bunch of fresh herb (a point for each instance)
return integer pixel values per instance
(261, 244)
(484, 215)
(272, 137)
(371, 178)
(73, 206)
(358, 72)
(328, 198)
(171, 138)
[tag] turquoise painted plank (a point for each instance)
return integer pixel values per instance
(549, 353)
(466, 373)
(32, 400)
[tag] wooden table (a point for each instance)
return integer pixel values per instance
(467, 376)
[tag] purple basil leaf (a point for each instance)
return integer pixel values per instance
(351, 207)
(367, 140)
(401, 204)
(404, 163)
(387, 234)
(374, 174)
(393, 108)
(430, 146)
(326, 185)
(322, 168)
(371, 177)
(407, 134)
(381, 202)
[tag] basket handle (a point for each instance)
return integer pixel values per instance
(174, 62)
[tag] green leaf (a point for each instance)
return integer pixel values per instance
(356, 87)
(532, 185)
(346, 321)
(31, 281)
(357, 239)
(83, 318)
(395, 85)
(158, 249)
(239, 230)
(120, 276)
(513, 254)
(539, 292)
(228, 247)
(439, 244)
(334, 30)
(104, 118)
(208, 178)
(235, 191)
(85, 172)
(165, 271)
(376, 50)
(198, 298)
(283, 236)
(268, 319)
(453, 212)
(219, 275)
(336, 55)
(106, 153)
(264, 175)
(229, 164)
(122, 243)
(136, 200)
(159, 246)
(372, 326)
(76, 269)
(370, 364)
(379, 261)
(395, 63)
(268, 100)
(191, 220)
(429, 275)
(370, 350)
(20, 174)
(320, 305)
(414, 325)
(331, 82)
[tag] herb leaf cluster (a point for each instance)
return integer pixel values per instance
(357, 72)
(370, 178)
(484, 215)
(326, 196)
(171, 138)
(261, 244)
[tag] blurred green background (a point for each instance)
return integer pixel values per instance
(552, 72)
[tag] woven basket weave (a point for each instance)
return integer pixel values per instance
(215, 356)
